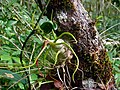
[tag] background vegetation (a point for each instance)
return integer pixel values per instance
(18, 18)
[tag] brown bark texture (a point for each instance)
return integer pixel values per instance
(94, 64)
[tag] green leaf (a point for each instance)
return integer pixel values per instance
(116, 68)
(10, 64)
(11, 76)
(44, 19)
(34, 5)
(117, 77)
(11, 22)
(16, 52)
(37, 40)
(34, 77)
(6, 57)
(26, 17)
(114, 52)
(99, 17)
(11, 2)
(1, 23)
(3, 52)
(21, 86)
(110, 55)
(47, 27)
(17, 59)
(117, 62)
(8, 29)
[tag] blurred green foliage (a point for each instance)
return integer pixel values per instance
(17, 19)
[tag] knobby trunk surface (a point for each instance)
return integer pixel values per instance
(95, 70)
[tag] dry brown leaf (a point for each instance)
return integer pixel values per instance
(58, 84)
(9, 75)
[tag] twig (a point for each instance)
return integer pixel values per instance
(59, 75)
(43, 48)
(75, 88)
(115, 7)
(82, 73)
(19, 17)
(102, 83)
(17, 35)
(68, 74)
(11, 42)
(109, 28)
(64, 74)
(31, 59)
(17, 82)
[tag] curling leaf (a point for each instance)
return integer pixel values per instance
(48, 26)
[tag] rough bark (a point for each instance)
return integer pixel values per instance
(71, 16)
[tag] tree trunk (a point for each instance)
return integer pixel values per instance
(95, 69)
